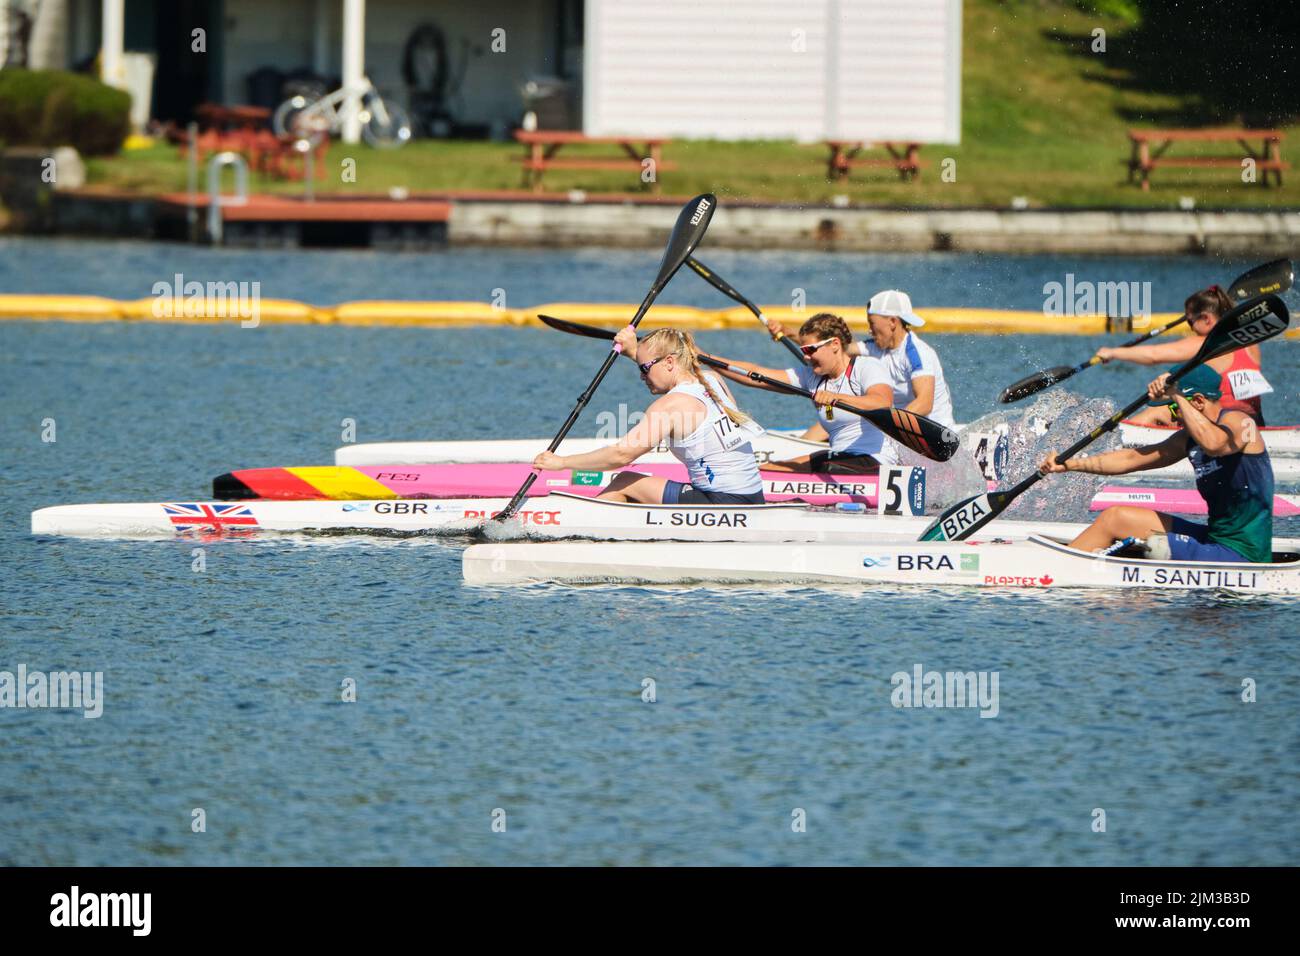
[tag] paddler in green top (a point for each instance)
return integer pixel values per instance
(1233, 475)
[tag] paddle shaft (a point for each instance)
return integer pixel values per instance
(786, 387)
(721, 284)
(583, 400)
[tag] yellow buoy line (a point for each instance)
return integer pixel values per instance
(217, 309)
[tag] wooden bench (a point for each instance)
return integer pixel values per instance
(541, 147)
(844, 156)
(1143, 159)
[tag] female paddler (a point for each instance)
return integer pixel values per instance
(694, 415)
(1242, 384)
(834, 373)
(1233, 475)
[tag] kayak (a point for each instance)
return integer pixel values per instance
(503, 480)
(558, 515)
(1179, 501)
(1278, 439)
(1038, 563)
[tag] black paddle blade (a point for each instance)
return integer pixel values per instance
(1032, 384)
(576, 328)
(1270, 278)
(692, 223)
(1255, 320)
(923, 435)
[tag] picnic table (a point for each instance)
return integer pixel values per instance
(244, 130)
(1142, 159)
(541, 147)
(844, 156)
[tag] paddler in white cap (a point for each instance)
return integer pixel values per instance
(915, 373)
(913, 366)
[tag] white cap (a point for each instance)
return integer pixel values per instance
(893, 302)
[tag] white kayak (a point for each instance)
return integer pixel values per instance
(1280, 440)
(1037, 563)
(558, 515)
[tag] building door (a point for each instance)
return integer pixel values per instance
(188, 70)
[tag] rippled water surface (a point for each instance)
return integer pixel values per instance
(222, 687)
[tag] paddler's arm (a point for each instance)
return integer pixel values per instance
(1163, 353)
(1122, 461)
(655, 427)
(815, 433)
(1228, 436)
(923, 387)
(776, 373)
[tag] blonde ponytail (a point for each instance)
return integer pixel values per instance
(681, 345)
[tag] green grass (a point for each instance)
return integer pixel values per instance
(1042, 117)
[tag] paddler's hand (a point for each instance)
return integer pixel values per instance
(1051, 466)
(549, 461)
(1105, 355)
(823, 398)
(775, 329)
(1160, 388)
(627, 339)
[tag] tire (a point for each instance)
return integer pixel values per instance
(293, 119)
(385, 135)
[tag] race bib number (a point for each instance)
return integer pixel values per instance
(901, 491)
(730, 435)
(1248, 383)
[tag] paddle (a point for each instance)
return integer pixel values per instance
(1253, 321)
(725, 288)
(691, 225)
(1269, 278)
(923, 435)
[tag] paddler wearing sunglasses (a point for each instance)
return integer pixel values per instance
(1242, 383)
(694, 415)
(1233, 474)
(834, 373)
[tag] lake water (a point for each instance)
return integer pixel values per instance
(222, 686)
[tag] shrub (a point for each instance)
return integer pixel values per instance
(56, 108)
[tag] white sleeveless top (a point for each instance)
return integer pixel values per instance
(718, 455)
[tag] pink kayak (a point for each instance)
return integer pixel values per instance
(501, 480)
(1182, 501)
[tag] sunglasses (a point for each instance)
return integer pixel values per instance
(645, 367)
(808, 350)
(1173, 410)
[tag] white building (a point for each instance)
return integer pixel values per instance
(729, 69)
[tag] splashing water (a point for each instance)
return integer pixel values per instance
(1055, 420)
(951, 481)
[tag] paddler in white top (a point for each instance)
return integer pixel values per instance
(834, 374)
(693, 415)
(913, 366)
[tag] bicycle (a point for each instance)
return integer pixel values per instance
(384, 125)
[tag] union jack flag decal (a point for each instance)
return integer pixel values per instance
(210, 516)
